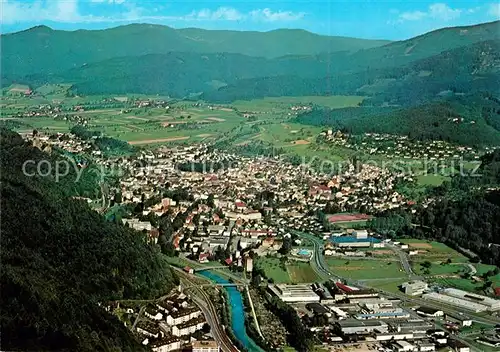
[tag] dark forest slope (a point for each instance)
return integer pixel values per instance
(60, 259)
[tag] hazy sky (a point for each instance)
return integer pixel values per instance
(387, 19)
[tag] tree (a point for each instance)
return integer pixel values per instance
(286, 247)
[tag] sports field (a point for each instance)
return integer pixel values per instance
(366, 269)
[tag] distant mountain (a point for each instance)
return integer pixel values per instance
(44, 50)
(228, 76)
(463, 70)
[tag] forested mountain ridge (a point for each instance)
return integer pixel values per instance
(44, 50)
(60, 259)
(42, 55)
(470, 69)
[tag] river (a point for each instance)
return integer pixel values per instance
(237, 312)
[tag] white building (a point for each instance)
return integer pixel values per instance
(294, 293)
(182, 316)
(350, 327)
(404, 346)
(189, 327)
(415, 288)
(462, 303)
(491, 303)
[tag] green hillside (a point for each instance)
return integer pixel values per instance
(44, 50)
(60, 260)
(466, 120)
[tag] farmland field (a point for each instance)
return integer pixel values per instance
(293, 272)
(390, 285)
(300, 272)
(363, 269)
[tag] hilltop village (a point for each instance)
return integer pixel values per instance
(212, 210)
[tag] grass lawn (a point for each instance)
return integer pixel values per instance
(301, 272)
(433, 251)
(387, 285)
(461, 284)
(431, 180)
(273, 269)
(360, 269)
(483, 268)
(439, 269)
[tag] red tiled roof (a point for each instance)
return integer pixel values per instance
(343, 287)
(497, 291)
(228, 261)
(240, 204)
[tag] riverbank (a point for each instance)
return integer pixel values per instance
(237, 312)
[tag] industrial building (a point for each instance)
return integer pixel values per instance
(414, 288)
(350, 327)
(491, 303)
(294, 293)
(416, 326)
(404, 346)
(360, 239)
(383, 315)
(429, 312)
(454, 301)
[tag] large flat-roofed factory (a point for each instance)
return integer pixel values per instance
(463, 299)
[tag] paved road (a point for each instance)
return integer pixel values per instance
(405, 262)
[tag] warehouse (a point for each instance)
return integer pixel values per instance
(294, 293)
(383, 315)
(350, 327)
(462, 303)
(429, 312)
(492, 304)
(416, 326)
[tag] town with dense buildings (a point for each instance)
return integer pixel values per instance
(229, 214)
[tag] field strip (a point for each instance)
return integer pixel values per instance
(160, 140)
(217, 119)
(204, 135)
(136, 118)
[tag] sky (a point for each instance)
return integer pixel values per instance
(373, 19)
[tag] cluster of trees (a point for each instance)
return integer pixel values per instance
(60, 260)
(299, 337)
(108, 145)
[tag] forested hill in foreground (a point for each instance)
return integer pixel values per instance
(44, 50)
(60, 259)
